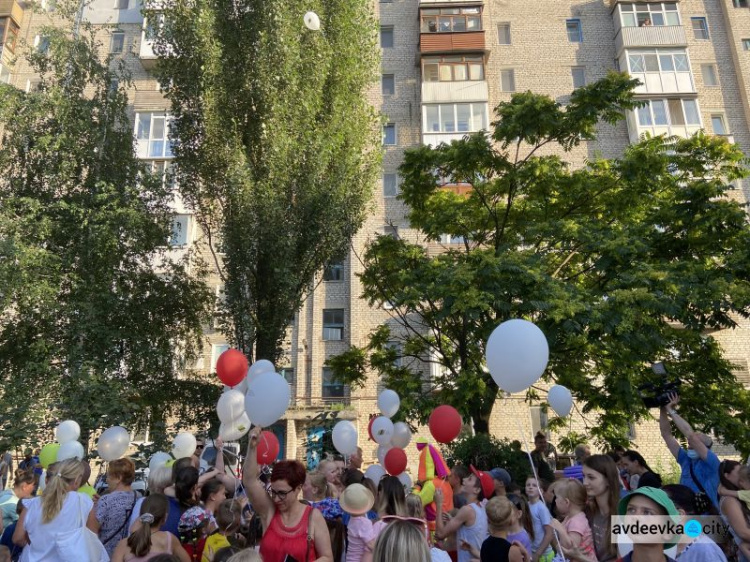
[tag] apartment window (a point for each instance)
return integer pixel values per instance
(575, 31)
(216, 350)
(579, 76)
(152, 135)
(386, 37)
(388, 84)
(288, 374)
(331, 388)
(455, 117)
(658, 61)
(389, 134)
(390, 230)
(710, 77)
(333, 272)
(452, 239)
(117, 42)
(114, 86)
(390, 185)
(122, 4)
(164, 169)
(41, 43)
(508, 80)
(740, 3)
(453, 68)
(451, 20)
(648, 14)
(662, 113)
(503, 33)
(9, 32)
(700, 28)
(718, 124)
(396, 347)
(746, 44)
(180, 230)
(333, 324)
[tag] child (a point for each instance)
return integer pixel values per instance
(501, 517)
(227, 522)
(193, 528)
(541, 522)
(574, 531)
(357, 500)
(521, 530)
(649, 501)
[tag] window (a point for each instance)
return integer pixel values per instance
(452, 239)
(710, 78)
(9, 33)
(700, 28)
(333, 272)
(674, 112)
(331, 388)
(575, 31)
(216, 350)
(49, 5)
(746, 44)
(740, 3)
(508, 80)
(114, 86)
(288, 374)
(388, 84)
(648, 14)
(579, 76)
(122, 4)
(333, 324)
(451, 20)
(389, 134)
(390, 230)
(117, 42)
(453, 68)
(455, 118)
(180, 230)
(152, 135)
(718, 124)
(503, 33)
(41, 43)
(386, 37)
(165, 170)
(396, 347)
(658, 61)
(390, 185)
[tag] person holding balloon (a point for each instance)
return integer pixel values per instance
(292, 529)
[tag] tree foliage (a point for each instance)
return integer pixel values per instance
(277, 144)
(96, 314)
(619, 262)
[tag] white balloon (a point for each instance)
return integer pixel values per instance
(405, 479)
(312, 21)
(258, 368)
(267, 399)
(517, 354)
(345, 437)
(561, 400)
(382, 452)
(113, 443)
(158, 459)
(233, 430)
(70, 450)
(401, 435)
(231, 405)
(375, 473)
(382, 430)
(67, 431)
(389, 402)
(242, 387)
(184, 445)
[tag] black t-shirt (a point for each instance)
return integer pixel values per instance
(649, 479)
(495, 549)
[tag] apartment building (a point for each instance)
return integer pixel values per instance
(446, 64)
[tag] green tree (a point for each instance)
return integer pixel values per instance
(619, 262)
(278, 145)
(96, 315)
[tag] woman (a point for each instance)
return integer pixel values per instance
(391, 501)
(402, 541)
(159, 479)
(602, 482)
(23, 485)
(639, 471)
(332, 473)
(213, 493)
(292, 529)
(470, 523)
(148, 542)
(315, 488)
(734, 512)
(110, 518)
(702, 548)
(60, 510)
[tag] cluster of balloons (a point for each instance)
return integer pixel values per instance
(66, 445)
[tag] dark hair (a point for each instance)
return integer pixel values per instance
(391, 497)
(352, 476)
(461, 471)
(184, 484)
(140, 541)
(540, 435)
(725, 468)
(179, 464)
(605, 466)
(211, 487)
(614, 456)
(480, 493)
(520, 503)
(291, 471)
(227, 516)
(25, 477)
(685, 499)
(337, 531)
(635, 456)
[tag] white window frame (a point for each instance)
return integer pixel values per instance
(653, 9)
(668, 113)
(723, 119)
(705, 32)
(508, 74)
(481, 114)
(216, 350)
(447, 68)
(390, 194)
(155, 148)
(117, 33)
(180, 236)
(41, 43)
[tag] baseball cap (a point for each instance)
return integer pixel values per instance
(485, 481)
(658, 496)
(501, 475)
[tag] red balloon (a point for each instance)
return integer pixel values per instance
(395, 461)
(369, 429)
(232, 367)
(268, 447)
(445, 423)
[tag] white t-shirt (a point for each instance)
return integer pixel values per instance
(42, 536)
(540, 518)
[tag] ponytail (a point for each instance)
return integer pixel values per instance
(66, 474)
(153, 514)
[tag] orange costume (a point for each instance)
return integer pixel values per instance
(432, 474)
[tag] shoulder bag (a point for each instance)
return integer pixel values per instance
(81, 544)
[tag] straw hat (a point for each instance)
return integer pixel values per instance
(356, 499)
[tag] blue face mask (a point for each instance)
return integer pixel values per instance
(692, 454)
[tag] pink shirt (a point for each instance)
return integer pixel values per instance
(359, 532)
(579, 524)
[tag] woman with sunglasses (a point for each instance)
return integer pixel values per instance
(292, 530)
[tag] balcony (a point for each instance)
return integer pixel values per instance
(11, 9)
(451, 42)
(650, 36)
(433, 92)
(434, 139)
(146, 52)
(636, 129)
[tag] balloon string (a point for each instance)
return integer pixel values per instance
(533, 470)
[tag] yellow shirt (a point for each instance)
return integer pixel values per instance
(214, 542)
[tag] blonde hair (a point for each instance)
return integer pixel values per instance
(59, 481)
(414, 507)
(246, 555)
(401, 541)
(499, 513)
(573, 491)
(159, 479)
(318, 481)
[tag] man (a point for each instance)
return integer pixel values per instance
(699, 464)
(544, 452)
(581, 453)
(502, 480)
(355, 460)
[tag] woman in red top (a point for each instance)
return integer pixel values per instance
(286, 522)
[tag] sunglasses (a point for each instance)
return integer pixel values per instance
(414, 520)
(281, 494)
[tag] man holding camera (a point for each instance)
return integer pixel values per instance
(699, 464)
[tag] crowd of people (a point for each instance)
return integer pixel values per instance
(285, 513)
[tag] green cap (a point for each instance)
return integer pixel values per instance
(658, 496)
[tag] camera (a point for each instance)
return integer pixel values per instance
(656, 394)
